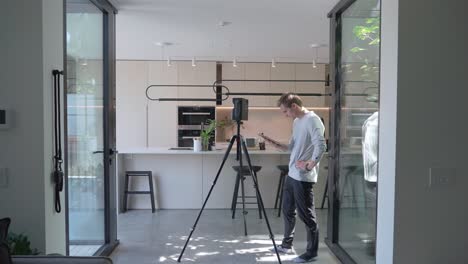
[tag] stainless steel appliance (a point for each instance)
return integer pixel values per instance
(190, 120)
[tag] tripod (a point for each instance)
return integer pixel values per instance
(240, 146)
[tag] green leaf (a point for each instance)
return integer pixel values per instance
(356, 49)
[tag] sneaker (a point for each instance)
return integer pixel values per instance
(304, 258)
(282, 249)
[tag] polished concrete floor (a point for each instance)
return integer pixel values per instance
(159, 237)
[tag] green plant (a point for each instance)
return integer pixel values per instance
(209, 129)
(19, 244)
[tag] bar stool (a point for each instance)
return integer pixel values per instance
(240, 180)
(351, 169)
(325, 192)
(284, 169)
(148, 174)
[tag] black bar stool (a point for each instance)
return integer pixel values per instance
(284, 169)
(148, 174)
(325, 192)
(240, 180)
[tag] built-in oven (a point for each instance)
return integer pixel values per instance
(195, 115)
(190, 123)
(185, 137)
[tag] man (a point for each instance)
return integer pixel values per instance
(370, 144)
(307, 146)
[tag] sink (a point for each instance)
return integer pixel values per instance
(181, 148)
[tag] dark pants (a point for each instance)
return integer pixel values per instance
(299, 196)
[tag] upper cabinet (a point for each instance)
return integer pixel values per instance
(162, 116)
(282, 71)
(308, 72)
(131, 103)
(204, 73)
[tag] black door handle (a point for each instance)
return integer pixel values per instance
(111, 151)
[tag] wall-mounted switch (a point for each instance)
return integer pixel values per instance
(441, 177)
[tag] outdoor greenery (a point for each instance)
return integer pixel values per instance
(19, 244)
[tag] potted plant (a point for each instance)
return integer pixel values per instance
(208, 131)
(19, 244)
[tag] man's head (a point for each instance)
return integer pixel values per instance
(290, 104)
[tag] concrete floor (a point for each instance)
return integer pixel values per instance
(159, 237)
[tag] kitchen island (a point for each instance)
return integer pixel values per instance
(182, 178)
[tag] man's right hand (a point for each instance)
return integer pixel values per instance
(283, 147)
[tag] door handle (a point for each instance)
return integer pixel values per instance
(111, 151)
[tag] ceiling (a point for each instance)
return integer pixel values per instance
(256, 30)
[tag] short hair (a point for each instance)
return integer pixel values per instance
(287, 99)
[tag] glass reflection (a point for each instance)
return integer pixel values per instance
(85, 127)
(358, 159)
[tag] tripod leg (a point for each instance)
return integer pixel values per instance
(234, 196)
(226, 155)
(239, 156)
(254, 177)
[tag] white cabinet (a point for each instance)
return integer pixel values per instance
(308, 72)
(233, 73)
(162, 116)
(282, 71)
(131, 83)
(258, 71)
(203, 74)
(247, 71)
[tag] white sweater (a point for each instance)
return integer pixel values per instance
(307, 143)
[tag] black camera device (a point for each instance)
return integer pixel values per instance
(241, 109)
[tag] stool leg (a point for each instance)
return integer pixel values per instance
(234, 196)
(283, 177)
(256, 196)
(150, 181)
(325, 193)
(125, 193)
(244, 212)
(278, 190)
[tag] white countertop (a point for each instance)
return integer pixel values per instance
(165, 150)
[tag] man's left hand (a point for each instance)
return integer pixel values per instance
(307, 165)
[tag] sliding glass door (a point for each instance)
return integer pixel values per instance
(356, 52)
(89, 132)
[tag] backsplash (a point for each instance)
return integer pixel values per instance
(267, 120)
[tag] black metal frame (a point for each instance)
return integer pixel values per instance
(110, 212)
(335, 119)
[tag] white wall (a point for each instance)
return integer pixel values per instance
(31, 45)
(431, 91)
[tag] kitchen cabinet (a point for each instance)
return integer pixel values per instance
(234, 73)
(308, 72)
(162, 116)
(282, 71)
(258, 71)
(203, 74)
(131, 103)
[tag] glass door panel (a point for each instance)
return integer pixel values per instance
(85, 135)
(358, 73)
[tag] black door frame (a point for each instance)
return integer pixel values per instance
(335, 119)
(110, 210)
